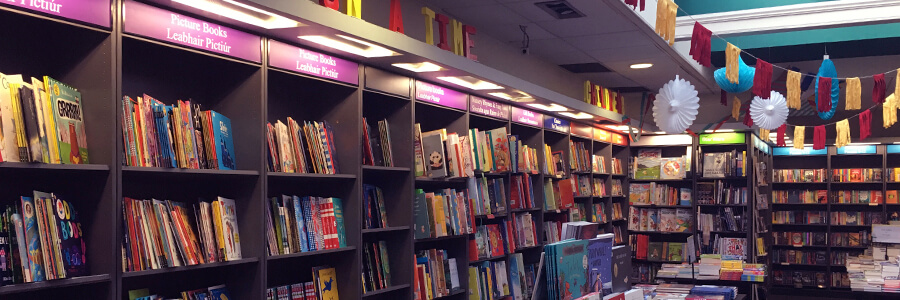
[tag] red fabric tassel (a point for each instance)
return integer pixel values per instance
(724, 96)
(878, 92)
(865, 124)
(762, 80)
(781, 130)
(701, 45)
(634, 4)
(747, 119)
(824, 94)
(818, 137)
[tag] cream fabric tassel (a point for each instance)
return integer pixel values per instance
(798, 137)
(736, 109)
(662, 13)
(854, 92)
(793, 90)
(732, 55)
(764, 134)
(670, 23)
(843, 133)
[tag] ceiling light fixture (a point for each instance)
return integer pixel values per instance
(552, 107)
(419, 67)
(352, 45)
(579, 115)
(501, 95)
(641, 66)
(242, 13)
(470, 82)
(720, 130)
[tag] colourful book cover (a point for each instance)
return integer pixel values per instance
(600, 263)
(654, 251)
(639, 193)
(653, 219)
(500, 149)
(675, 252)
(9, 149)
(67, 110)
(32, 240)
(230, 229)
(434, 155)
(326, 286)
(219, 292)
(682, 220)
(648, 164)
(71, 239)
(671, 168)
(571, 271)
(684, 196)
(667, 220)
(891, 197)
(224, 142)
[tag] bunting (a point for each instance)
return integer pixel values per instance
(762, 80)
(748, 121)
(781, 130)
(878, 91)
(865, 124)
(842, 128)
(889, 111)
(824, 102)
(793, 89)
(854, 93)
(732, 55)
(818, 137)
(662, 18)
(799, 139)
(736, 109)
(636, 4)
(701, 45)
(670, 22)
(897, 82)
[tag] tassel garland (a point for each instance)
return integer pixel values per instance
(878, 92)
(666, 12)
(762, 80)
(843, 133)
(865, 124)
(764, 133)
(781, 130)
(670, 22)
(818, 137)
(798, 137)
(793, 89)
(736, 109)
(635, 4)
(889, 111)
(662, 11)
(732, 55)
(824, 102)
(854, 93)
(701, 45)
(897, 83)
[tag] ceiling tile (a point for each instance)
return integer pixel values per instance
(609, 79)
(511, 32)
(553, 50)
(565, 58)
(618, 55)
(591, 67)
(591, 25)
(485, 16)
(457, 3)
(530, 11)
(610, 40)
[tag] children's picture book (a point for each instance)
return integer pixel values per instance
(654, 251)
(600, 263)
(570, 268)
(653, 219)
(714, 165)
(671, 168)
(219, 292)
(648, 163)
(560, 164)
(435, 162)
(67, 110)
(639, 193)
(230, 229)
(224, 143)
(326, 283)
(667, 220)
(682, 220)
(684, 195)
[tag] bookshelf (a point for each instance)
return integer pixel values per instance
(108, 62)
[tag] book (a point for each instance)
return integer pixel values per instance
(671, 168)
(714, 165)
(600, 263)
(9, 148)
(433, 145)
(67, 110)
(326, 283)
(648, 163)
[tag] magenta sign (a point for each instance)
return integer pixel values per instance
(488, 108)
(167, 26)
(300, 60)
(96, 12)
(439, 95)
(526, 117)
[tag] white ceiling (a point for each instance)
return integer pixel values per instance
(604, 36)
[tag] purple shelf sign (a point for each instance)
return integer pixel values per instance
(439, 95)
(95, 12)
(167, 26)
(300, 60)
(526, 117)
(488, 108)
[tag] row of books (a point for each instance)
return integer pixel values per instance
(615, 188)
(489, 195)
(801, 279)
(644, 272)
(577, 267)
(839, 257)
(598, 164)
(583, 185)
(598, 213)
(442, 213)
(522, 276)
(863, 197)
(376, 273)
(800, 238)
(524, 229)
(521, 192)
(856, 217)
(798, 256)
(856, 175)
(579, 212)
(491, 280)
(579, 157)
(658, 251)
(724, 219)
(175, 136)
(617, 166)
(490, 241)
(798, 217)
(442, 154)
(658, 194)
(41, 239)
(161, 233)
(800, 196)
(721, 192)
(301, 149)
(659, 219)
(670, 291)
(296, 291)
(213, 292)
(436, 274)
(374, 208)
(302, 224)
(892, 174)
(554, 163)
(649, 164)
(725, 246)
(558, 194)
(376, 148)
(41, 121)
(799, 175)
(724, 164)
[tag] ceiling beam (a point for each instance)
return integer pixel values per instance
(819, 15)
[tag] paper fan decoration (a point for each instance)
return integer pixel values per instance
(745, 78)
(769, 113)
(675, 107)
(827, 71)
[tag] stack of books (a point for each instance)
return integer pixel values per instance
(300, 291)
(754, 272)
(732, 268)
(301, 149)
(682, 270)
(865, 274)
(709, 266)
(302, 224)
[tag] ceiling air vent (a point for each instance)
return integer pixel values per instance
(560, 9)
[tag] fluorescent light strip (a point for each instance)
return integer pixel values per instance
(219, 9)
(861, 144)
(419, 67)
(579, 116)
(501, 95)
(553, 107)
(372, 50)
(470, 82)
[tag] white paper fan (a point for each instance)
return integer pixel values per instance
(769, 113)
(675, 107)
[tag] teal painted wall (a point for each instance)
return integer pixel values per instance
(810, 36)
(696, 7)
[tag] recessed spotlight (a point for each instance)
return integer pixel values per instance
(641, 66)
